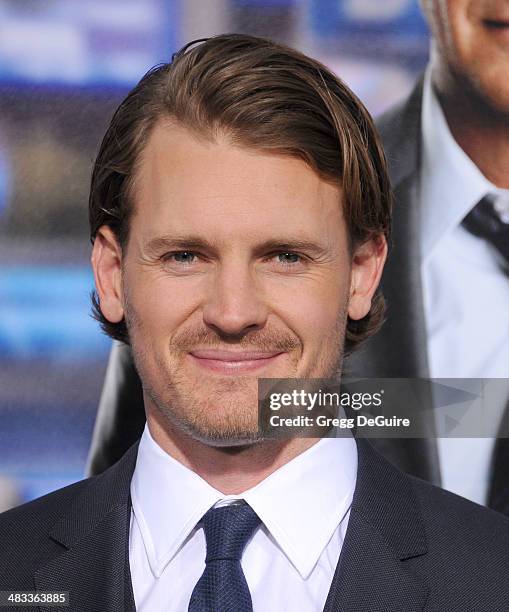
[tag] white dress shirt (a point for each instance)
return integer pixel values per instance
(290, 561)
(466, 294)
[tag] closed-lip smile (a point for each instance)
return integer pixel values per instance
(497, 23)
(233, 362)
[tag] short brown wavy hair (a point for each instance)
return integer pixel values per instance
(264, 96)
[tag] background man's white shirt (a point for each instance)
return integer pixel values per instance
(466, 294)
(304, 507)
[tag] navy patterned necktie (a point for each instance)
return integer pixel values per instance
(222, 587)
(485, 221)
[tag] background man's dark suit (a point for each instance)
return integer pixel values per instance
(398, 350)
(409, 547)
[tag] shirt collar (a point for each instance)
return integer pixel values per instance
(301, 504)
(450, 183)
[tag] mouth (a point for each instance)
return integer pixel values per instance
(233, 362)
(496, 24)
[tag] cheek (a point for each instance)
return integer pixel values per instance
(485, 63)
(312, 310)
(468, 41)
(309, 305)
(158, 304)
(450, 22)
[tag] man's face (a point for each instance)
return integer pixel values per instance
(472, 41)
(237, 267)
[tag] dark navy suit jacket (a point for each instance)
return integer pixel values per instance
(409, 546)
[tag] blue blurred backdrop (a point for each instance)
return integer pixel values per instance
(64, 67)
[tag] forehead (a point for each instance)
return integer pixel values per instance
(185, 182)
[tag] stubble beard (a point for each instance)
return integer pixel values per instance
(225, 412)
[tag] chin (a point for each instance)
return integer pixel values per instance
(222, 421)
(500, 101)
(235, 444)
(220, 436)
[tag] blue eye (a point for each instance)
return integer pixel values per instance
(185, 257)
(289, 258)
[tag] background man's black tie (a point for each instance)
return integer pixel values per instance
(489, 221)
(222, 587)
(486, 222)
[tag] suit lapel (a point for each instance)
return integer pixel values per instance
(370, 579)
(498, 494)
(384, 532)
(93, 535)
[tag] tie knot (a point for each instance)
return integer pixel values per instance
(228, 529)
(489, 220)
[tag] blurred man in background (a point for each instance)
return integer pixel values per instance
(448, 152)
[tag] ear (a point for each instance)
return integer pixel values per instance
(107, 265)
(367, 266)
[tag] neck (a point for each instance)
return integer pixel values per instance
(231, 470)
(480, 129)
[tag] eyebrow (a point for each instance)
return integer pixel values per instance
(191, 243)
(171, 243)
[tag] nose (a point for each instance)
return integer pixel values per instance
(235, 304)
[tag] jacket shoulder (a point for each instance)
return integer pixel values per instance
(24, 535)
(403, 114)
(453, 513)
(37, 532)
(43, 510)
(468, 551)
(399, 129)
